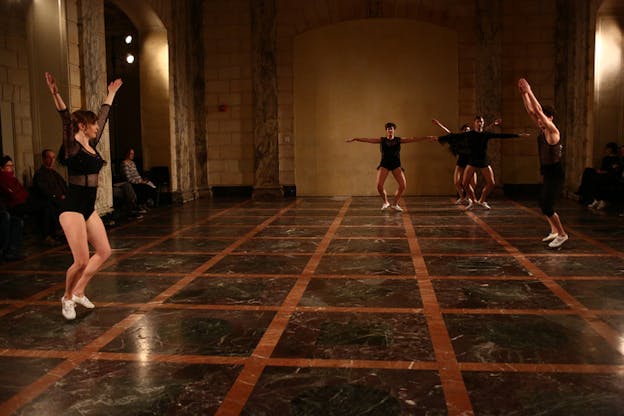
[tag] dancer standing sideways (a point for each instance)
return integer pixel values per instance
(82, 131)
(550, 152)
(390, 147)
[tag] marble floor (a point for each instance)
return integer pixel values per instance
(325, 306)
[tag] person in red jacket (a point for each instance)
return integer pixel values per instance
(13, 198)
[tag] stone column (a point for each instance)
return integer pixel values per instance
(488, 72)
(199, 93)
(264, 91)
(183, 114)
(574, 76)
(93, 51)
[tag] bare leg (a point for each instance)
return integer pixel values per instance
(458, 177)
(382, 174)
(488, 175)
(75, 231)
(96, 233)
(400, 178)
(555, 225)
(469, 173)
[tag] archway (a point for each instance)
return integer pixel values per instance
(153, 64)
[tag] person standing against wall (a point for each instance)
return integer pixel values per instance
(390, 147)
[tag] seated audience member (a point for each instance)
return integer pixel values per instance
(20, 203)
(12, 194)
(144, 188)
(125, 199)
(50, 187)
(595, 179)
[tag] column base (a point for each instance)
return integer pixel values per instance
(267, 192)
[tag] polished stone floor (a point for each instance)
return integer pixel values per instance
(325, 306)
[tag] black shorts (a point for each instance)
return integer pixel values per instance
(479, 163)
(390, 164)
(462, 161)
(80, 199)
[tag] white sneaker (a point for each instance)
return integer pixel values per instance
(83, 300)
(593, 204)
(550, 237)
(601, 205)
(470, 205)
(484, 205)
(68, 309)
(396, 207)
(385, 206)
(558, 241)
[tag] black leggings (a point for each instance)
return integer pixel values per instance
(553, 177)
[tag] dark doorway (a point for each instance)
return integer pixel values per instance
(122, 41)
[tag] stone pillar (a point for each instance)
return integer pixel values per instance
(574, 76)
(93, 51)
(488, 72)
(264, 91)
(199, 93)
(183, 114)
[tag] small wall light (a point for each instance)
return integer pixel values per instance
(128, 39)
(129, 58)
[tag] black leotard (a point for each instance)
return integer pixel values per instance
(390, 153)
(83, 166)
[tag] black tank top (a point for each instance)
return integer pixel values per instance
(390, 149)
(549, 154)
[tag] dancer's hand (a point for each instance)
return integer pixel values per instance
(523, 85)
(114, 86)
(350, 140)
(51, 83)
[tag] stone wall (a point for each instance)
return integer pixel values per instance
(15, 103)
(228, 86)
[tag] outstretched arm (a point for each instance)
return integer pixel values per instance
(364, 140)
(442, 126)
(534, 108)
(418, 139)
(58, 101)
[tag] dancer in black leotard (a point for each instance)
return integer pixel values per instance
(477, 141)
(81, 224)
(550, 152)
(390, 147)
(460, 149)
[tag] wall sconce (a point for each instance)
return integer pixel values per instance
(130, 58)
(128, 39)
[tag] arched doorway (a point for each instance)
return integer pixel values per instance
(122, 40)
(153, 83)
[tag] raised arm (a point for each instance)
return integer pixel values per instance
(495, 123)
(113, 87)
(58, 101)
(364, 140)
(534, 108)
(442, 126)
